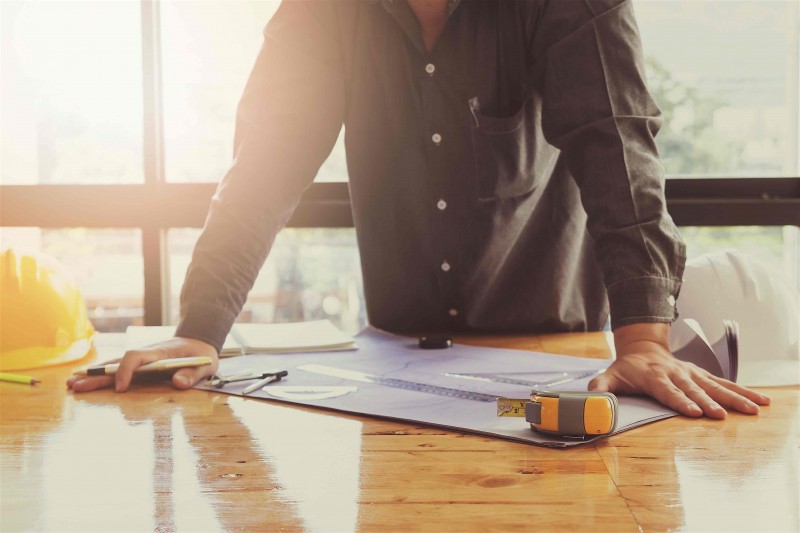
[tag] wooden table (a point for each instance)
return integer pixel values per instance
(159, 459)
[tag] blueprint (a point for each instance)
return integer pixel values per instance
(393, 362)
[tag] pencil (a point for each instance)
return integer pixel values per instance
(16, 378)
(156, 366)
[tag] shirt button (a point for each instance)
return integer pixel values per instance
(436, 138)
(441, 205)
(671, 300)
(453, 312)
(445, 266)
(430, 68)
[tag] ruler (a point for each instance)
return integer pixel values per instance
(564, 377)
(353, 375)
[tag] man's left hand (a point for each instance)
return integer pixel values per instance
(645, 365)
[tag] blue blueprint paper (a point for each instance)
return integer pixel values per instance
(391, 356)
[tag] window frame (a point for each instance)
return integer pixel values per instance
(151, 206)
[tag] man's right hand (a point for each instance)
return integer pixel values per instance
(184, 378)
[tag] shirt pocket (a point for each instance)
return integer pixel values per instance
(503, 152)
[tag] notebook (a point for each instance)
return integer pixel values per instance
(312, 336)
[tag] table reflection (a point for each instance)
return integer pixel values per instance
(197, 466)
(314, 458)
(739, 474)
(97, 472)
(711, 481)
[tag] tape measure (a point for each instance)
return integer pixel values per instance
(565, 413)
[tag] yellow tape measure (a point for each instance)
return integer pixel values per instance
(511, 406)
(565, 413)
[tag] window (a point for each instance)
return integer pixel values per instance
(118, 119)
(106, 263)
(72, 92)
(725, 75)
(208, 50)
(774, 246)
(310, 274)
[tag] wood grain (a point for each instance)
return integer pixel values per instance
(159, 459)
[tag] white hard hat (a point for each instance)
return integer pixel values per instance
(731, 285)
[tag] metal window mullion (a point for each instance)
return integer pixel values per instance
(794, 93)
(156, 275)
(153, 253)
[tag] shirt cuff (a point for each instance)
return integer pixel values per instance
(207, 323)
(643, 299)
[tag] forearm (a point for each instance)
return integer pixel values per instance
(225, 263)
(598, 112)
(287, 122)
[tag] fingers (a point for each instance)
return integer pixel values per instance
(133, 360)
(89, 383)
(715, 394)
(699, 395)
(727, 397)
(681, 386)
(128, 363)
(84, 383)
(188, 377)
(757, 397)
(665, 391)
(602, 383)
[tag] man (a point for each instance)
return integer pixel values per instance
(503, 175)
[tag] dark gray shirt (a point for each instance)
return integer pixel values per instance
(507, 181)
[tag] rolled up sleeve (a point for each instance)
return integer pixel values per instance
(597, 110)
(287, 121)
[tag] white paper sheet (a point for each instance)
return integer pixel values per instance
(316, 335)
(290, 337)
(689, 342)
(398, 357)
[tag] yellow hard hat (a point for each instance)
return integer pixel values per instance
(43, 318)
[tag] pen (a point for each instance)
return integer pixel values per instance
(16, 378)
(155, 366)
